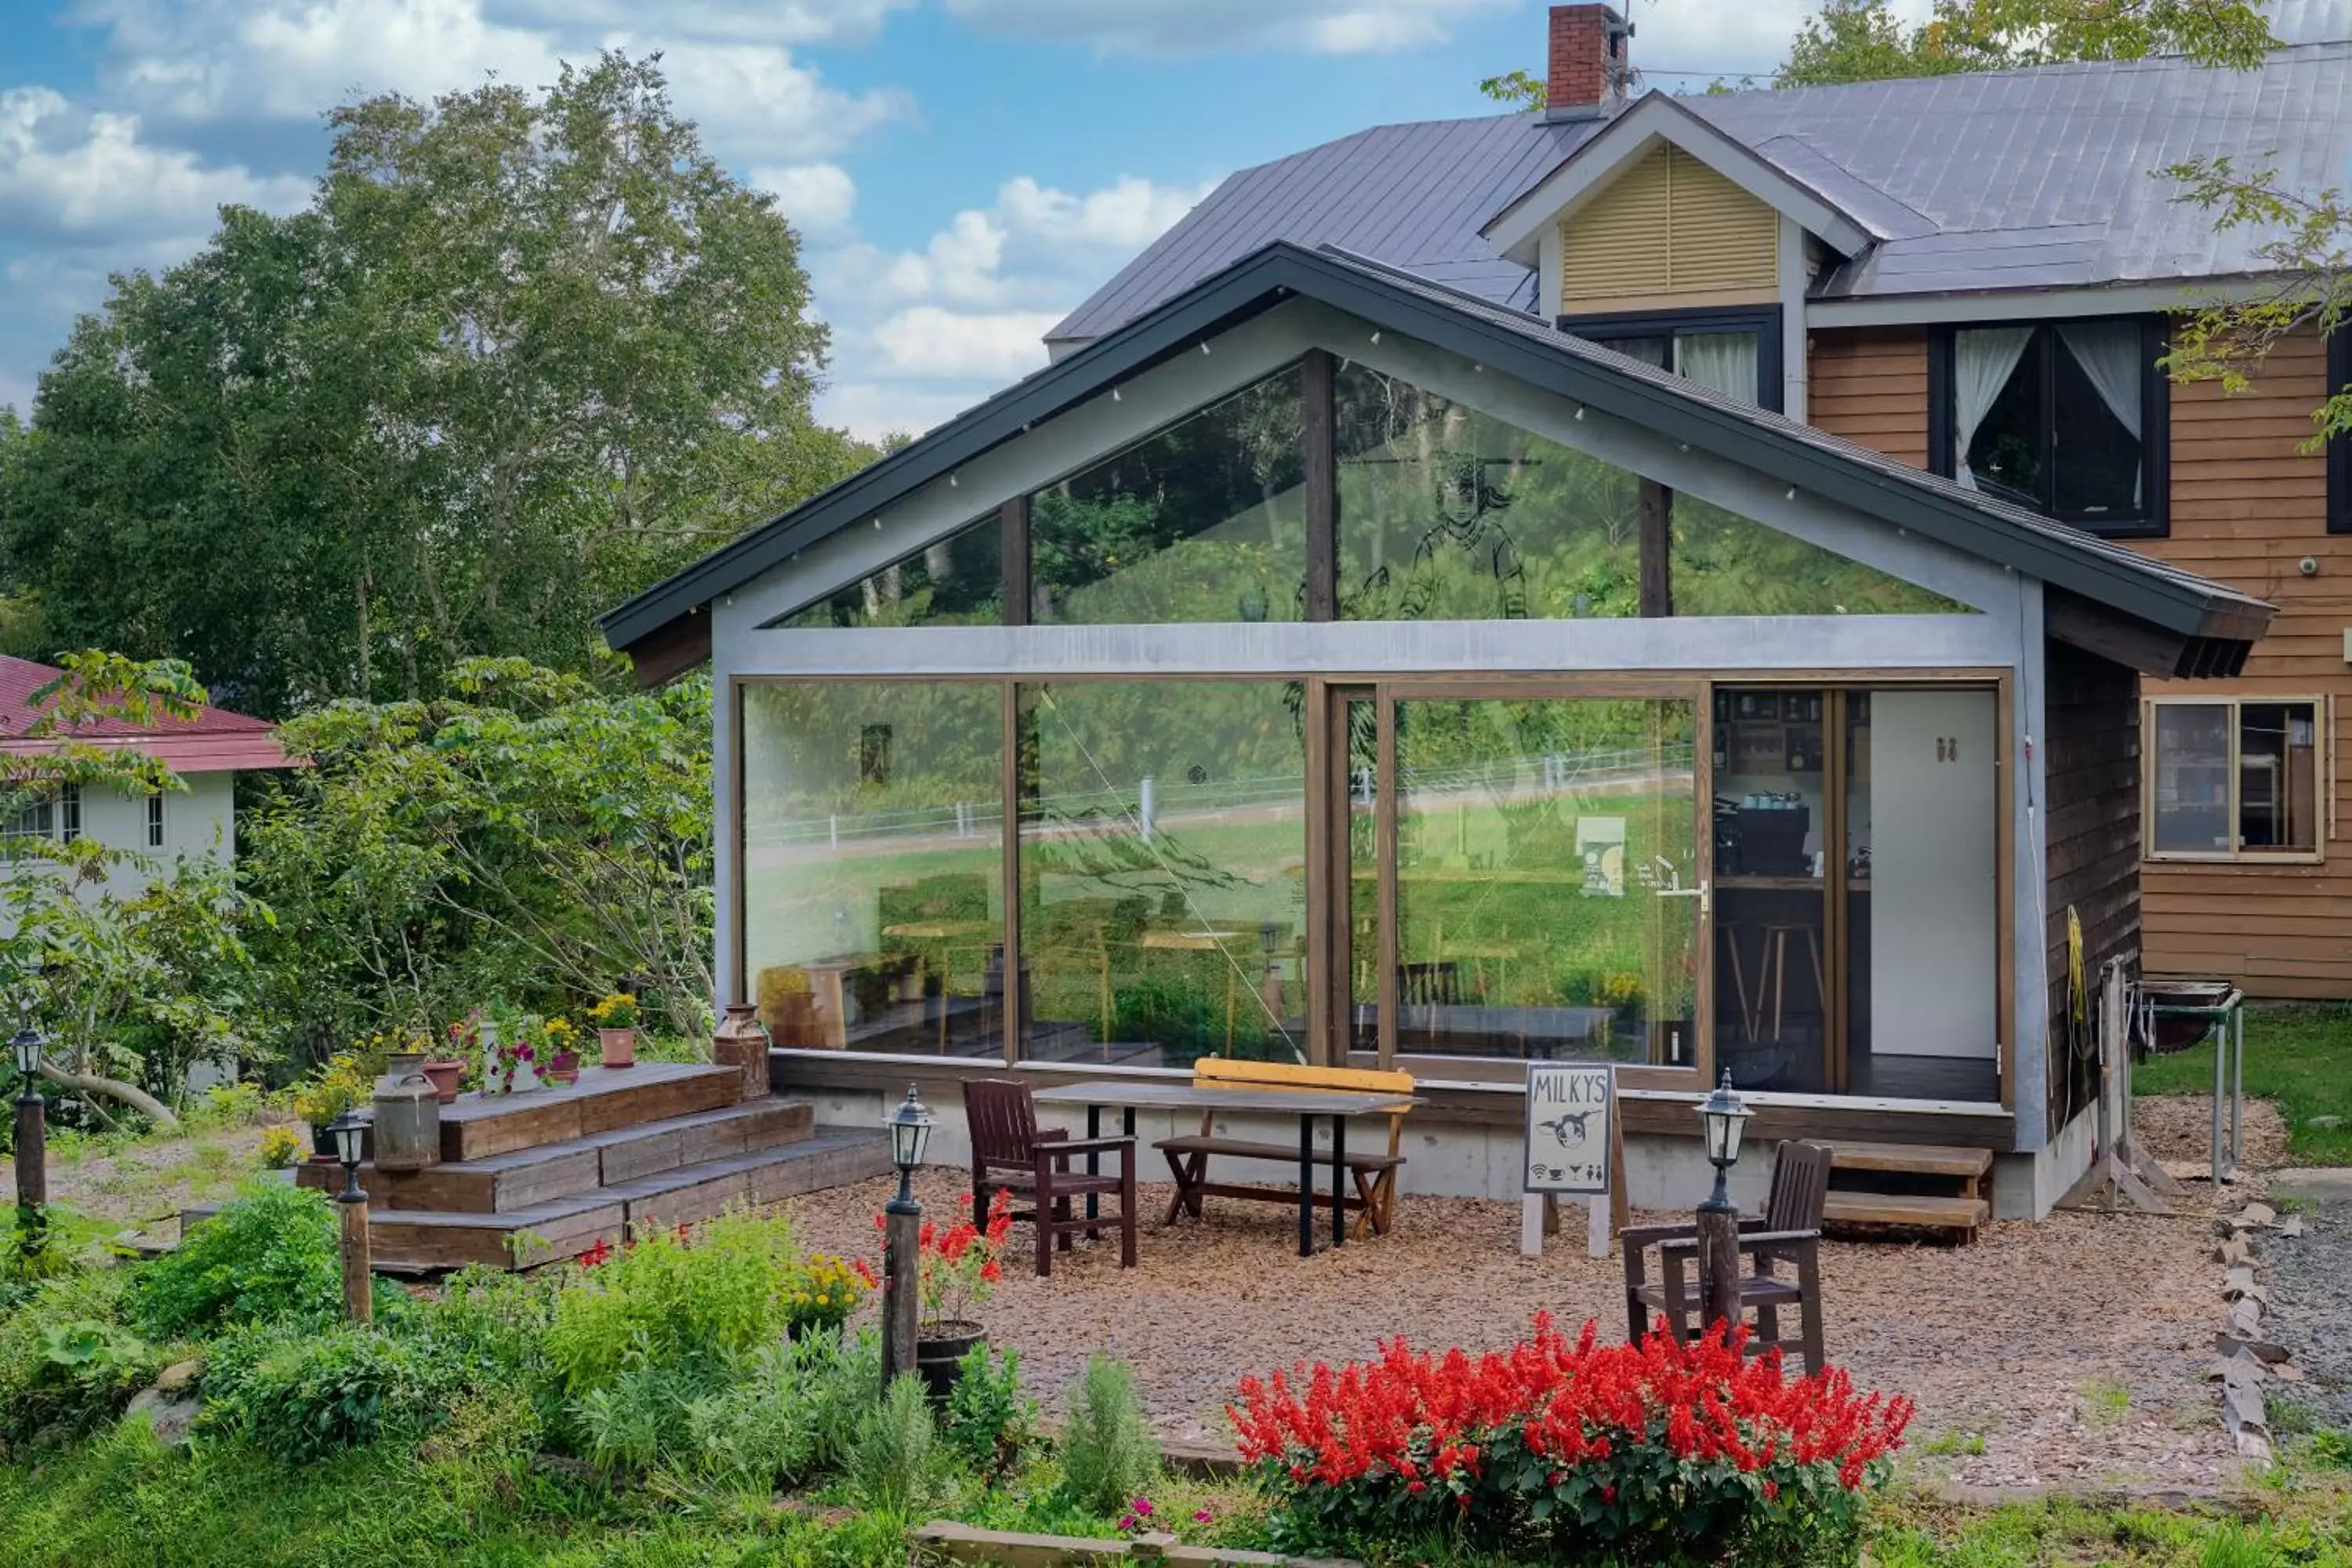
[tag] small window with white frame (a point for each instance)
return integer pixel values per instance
(155, 819)
(2236, 779)
(52, 814)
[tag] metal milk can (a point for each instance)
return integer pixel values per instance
(407, 1115)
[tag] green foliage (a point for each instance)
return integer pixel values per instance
(692, 1306)
(527, 350)
(299, 1393)
(1107, 1452)
(271, 1255)
(1865, 40)
(889, 1463)
(795, 1412)
(2298, 1054)
(988, 1419)
(430, 854)
(1516, 90)
(66, 1363)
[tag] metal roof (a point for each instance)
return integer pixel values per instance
(2026, 179)
(1511, 341)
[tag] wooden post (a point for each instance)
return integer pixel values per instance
(359, 1292)
(901, 1287)
(32, 1166)
(1719, 1267)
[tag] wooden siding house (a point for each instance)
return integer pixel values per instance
(1714, 585)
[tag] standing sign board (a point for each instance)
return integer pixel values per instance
(1571, 1147)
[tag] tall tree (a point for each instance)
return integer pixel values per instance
(523, 354)
(1864, 40)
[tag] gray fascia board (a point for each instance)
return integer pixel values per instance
(1282, 268)
(1135, 347)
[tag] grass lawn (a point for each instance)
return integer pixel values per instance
(2299, 1054)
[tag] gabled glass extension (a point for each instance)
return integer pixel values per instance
(958, 581)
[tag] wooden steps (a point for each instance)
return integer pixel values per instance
(1910, 1187)
(531, 1178)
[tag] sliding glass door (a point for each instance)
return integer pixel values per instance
(1526, 876)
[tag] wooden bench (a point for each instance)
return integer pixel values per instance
(1374, 1199)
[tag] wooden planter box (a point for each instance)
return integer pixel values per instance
(1010, 1549)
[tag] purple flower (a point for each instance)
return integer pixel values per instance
(1143, 1505)
(1202, 1516)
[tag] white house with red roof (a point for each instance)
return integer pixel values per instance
(207, 750)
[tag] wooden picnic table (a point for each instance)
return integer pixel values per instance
(1308, 1105)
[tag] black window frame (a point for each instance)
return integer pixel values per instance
(2340, 448)
(2155, 518)
(1607, 327)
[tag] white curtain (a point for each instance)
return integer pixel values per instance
(1982, 363)
(2109, 352)
(1724, 361)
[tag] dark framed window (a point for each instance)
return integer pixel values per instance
(2067, 418)
(155, 819)
(2339, 448)
(1735, 352)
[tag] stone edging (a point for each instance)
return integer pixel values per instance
(2244, 1359)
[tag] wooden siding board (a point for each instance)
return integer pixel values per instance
(2090, 780)
(1869, 386)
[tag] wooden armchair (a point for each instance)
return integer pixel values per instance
(1009, 1153)
(1790, 1232)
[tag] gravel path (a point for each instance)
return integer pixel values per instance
(2311, 1306)
(2070, 1350)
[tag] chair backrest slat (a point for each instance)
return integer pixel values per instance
(1800, 1186)
(1004, 1120)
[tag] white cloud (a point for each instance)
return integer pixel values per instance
(88, 177)
(763, 21)
(934, 344)
(1202, 27)
(1131, 213)
(756, 101)
(817, 197)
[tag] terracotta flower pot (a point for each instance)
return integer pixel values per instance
(619, 1047)
(562, 1067)
(444, 1075)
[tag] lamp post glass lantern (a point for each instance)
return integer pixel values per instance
(1724, 1117)
(910, 1130)
(349, 1133)
(30, 1047)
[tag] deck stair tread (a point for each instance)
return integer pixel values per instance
(1917, 1159)
(1906, 1209)
(530, 1178)
(604, 1099)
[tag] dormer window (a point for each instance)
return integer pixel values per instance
(2063, 418)
(1736, 352)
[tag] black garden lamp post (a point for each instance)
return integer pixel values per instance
(349, 1133)
(910, 1130)
(30, 1047)
(1724, 1118)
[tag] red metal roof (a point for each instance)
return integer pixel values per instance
(214, 740)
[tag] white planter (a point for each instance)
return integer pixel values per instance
(494, 1081)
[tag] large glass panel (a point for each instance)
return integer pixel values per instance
(1164, 860)
(2278, 776)
(1448, 514)
(872, 868)
(1725, 565)
(2192, 812)
(1204, 521)
(957, 582)
(1998, 419)
(1363, 1027)
(2095, 408)
(1771, 933)
(1547, 867)
(1922, 927)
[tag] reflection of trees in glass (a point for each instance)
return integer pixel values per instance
(953, 582)
(1448, 514)
(1204, 521)
(1725, 564)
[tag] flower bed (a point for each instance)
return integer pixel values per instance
(1648, 1452)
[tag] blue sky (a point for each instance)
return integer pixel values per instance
(962, 171)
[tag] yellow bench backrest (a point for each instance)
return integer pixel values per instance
(1225, 1071)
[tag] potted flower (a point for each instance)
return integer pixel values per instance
(560, 1061)
(960, 1265)
(615, 1018)
(461, 1044)
(335, 1088)
(509, 1051)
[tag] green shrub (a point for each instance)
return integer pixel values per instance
(988, 1418)
(889, 1465)
(67, 1364)
(271, 1255)
(301, 1392)
(636, 1418)
(695, 1304)
(1108, 1454)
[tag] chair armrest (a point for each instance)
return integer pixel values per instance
(1052, 1134)
(1772, 1238)
(1650, 1235)
(1085, 1146)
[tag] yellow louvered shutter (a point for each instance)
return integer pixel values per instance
(1669, 227)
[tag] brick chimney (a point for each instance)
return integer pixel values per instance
(1588, 66)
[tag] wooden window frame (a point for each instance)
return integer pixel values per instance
(2155, 520)
(1606, 327)
(2340, 448)
(2322, 783)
